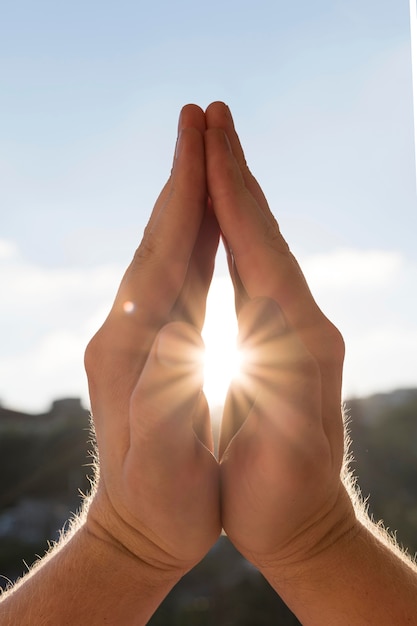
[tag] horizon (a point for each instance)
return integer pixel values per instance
(323, 101)
(214, 409)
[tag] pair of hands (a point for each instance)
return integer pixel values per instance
(161, 495)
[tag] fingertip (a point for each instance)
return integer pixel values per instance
(218, 114)
(217, 105)
(192, 115)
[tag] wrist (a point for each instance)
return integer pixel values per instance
(120, 584)
(115, 544)
(351, 574)
(316, 544)
(87, 579)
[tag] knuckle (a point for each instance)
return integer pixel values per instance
(333, 342)
(104, 366)
(93, 355)
(146, 251)
(274, 238)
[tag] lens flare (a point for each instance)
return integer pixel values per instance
(222, 360)
(128, 306)
(222, 364)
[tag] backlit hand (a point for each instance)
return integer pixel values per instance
(282, 440)
(158, 489)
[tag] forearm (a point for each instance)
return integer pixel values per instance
(87, 580)
(361, 579)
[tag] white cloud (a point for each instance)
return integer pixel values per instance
(49, 314)
(381, 359)
(370, 296)
(8, 250)
(49, 298)
(52, 368)
(46, 319)
(353, 269)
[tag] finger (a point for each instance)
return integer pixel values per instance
(280, 386)
(237, 407)
(161, 262)
(154, 279)
(260, 324)
(218, 115)
(240, 293)
(268, 269)
(167, 395)
(169, 416)
(202, 423)
(115, 356)
(170, 474)
(191, 116)
(263, 260)
(265, 265)
(191, 304)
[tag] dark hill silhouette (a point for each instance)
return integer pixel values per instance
(45, 462)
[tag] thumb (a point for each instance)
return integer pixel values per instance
(260, 322)
(169, 388)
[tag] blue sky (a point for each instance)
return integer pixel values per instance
(89, 98)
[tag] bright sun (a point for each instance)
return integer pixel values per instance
(222, 360)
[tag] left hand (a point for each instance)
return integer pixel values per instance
(158, 490)
(282, 441)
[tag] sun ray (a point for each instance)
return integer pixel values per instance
(222, 358)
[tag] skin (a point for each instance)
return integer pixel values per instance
(150, 416)
(291, 441)
(162, 497)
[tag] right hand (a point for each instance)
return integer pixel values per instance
(157, 496)
(282, 442)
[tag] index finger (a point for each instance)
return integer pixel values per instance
(265, 264)
(267, 268)
(218, 115)
(154, 279)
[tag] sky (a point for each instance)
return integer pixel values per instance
(90, 94)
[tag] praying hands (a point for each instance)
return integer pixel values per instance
(280, 488)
